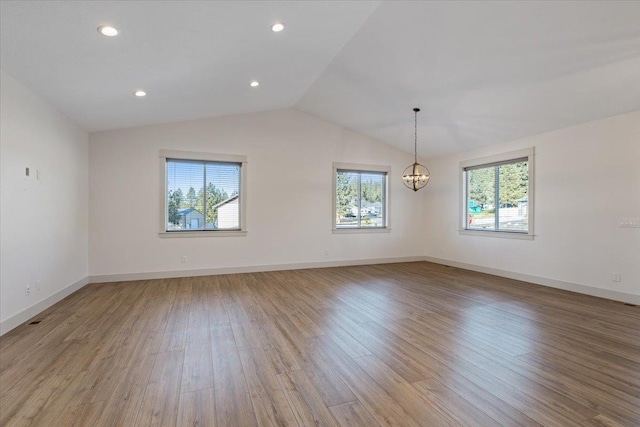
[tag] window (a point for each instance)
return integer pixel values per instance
(202, 193)
(360, 197)
(497, 195)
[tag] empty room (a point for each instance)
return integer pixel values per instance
(320, 213)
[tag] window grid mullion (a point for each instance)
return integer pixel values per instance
(359, 199)
(204, 194)
(166, 195)
(497, 198)
(384, 202)
(466, 200)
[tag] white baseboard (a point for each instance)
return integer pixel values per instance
(29, 312)
(544, 281)
(104, 278)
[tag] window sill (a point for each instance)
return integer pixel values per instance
(499, 234)
(360, 230)
(217, 233)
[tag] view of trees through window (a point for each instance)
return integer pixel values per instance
(360, 199)
(497, 197)
(202, 195)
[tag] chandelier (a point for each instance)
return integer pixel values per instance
(416, 175)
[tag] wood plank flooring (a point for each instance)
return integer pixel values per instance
(412, 344)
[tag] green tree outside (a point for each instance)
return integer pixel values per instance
(191, 199)
(372, 190)
(175, 202)
(482, 185)
(513, 184)
(346, 192)
(214, 196)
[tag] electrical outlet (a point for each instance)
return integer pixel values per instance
(616, 277)
(27, 291)
(184, 259)
(326, 252)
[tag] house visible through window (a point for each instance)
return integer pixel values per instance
(497, 194)
(360, 198)
(202, 195)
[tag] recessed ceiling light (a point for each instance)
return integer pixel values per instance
(254, 84)
(277, 27)
(107, 30)
(140, 93)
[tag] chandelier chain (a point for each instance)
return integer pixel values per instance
(415, 136)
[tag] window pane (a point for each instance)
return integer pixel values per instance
(221, 198)
(372, 203)
(513, 194)
(184, 182)
(347, 199)
(202, 195)
(481, 193)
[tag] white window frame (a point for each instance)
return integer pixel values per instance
(527, 153)
(361, 168)
(207, 157)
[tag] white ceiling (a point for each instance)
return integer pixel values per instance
(483, 72)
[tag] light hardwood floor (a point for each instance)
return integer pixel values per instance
(397, 344)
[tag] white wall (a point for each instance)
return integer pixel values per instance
(289, 176)
(43, 222)
(587, 177)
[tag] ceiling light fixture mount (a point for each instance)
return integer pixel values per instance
(277, 27)
(107, 30)
(415, 176)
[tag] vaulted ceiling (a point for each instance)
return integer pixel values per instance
(482, 72)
